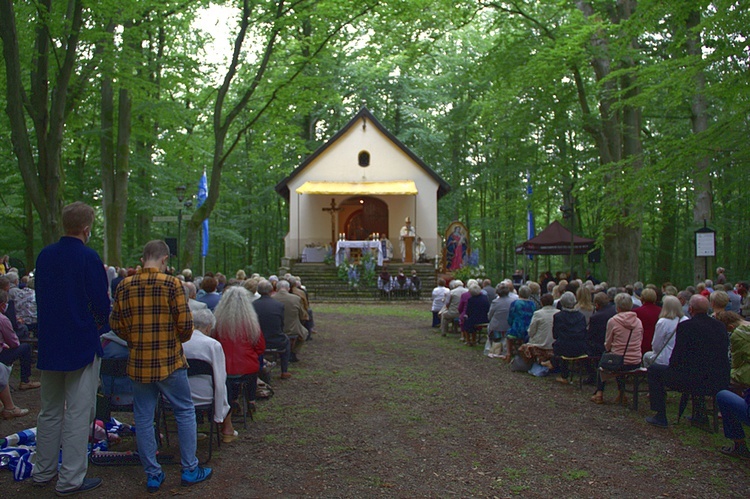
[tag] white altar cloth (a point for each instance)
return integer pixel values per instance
(343, 247)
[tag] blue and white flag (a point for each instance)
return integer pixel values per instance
(530, 230)
(202, 195)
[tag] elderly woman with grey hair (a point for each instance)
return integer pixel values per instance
(202, 347)
(624, 336)
(238, 331)
(569, 331)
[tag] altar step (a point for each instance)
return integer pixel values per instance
(323, 283)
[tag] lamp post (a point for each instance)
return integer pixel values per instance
(568, 212)
(180, 190)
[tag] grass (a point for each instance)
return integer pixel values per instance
(373, 310)
(403, 392)
(514, 473)
(271, 438)
(576, 474)
(518, 489)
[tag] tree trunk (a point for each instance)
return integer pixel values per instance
(667, 241)
(28, 232)
(115, 174)
(46, 110)
(617, 136)
(703, 209)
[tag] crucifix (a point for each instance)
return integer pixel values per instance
(332, 210)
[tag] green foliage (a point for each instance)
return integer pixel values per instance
(485, 94)
(469, 272)
(360, 273)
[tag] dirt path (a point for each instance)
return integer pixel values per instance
(382, 406)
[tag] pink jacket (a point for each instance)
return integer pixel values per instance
(618, 330)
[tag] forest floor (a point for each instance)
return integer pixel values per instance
(383, 406)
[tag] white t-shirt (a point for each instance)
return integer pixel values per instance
(664, 329)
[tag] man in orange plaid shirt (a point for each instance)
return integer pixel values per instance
(151, 313)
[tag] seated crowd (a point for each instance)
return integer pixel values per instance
(399, 284)
(695, 341)
(237, 324)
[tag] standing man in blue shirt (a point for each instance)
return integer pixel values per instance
(73, 310)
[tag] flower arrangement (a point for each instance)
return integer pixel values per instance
(358, 274)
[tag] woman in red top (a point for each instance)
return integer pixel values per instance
(648, 313)
(239, 333)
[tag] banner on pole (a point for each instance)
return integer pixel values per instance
(202, 195)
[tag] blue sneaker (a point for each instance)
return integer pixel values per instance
(198, 475)
(153, 482)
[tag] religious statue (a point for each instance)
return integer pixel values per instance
(407, 231)
(456, 247)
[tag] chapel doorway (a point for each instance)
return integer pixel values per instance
(362, 216)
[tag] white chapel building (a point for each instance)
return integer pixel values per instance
(362, 181)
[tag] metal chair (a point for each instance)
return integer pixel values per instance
(244, 402)
(196, 368)
(110, 372)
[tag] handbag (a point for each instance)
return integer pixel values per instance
(650, 357)
(520, 364)
(612, 361)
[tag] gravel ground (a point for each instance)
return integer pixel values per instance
(382, 406)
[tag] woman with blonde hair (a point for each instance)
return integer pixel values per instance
(663, 343)
(718, 300)
(239, 333)
(584, 304)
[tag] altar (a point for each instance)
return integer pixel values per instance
(343, 250)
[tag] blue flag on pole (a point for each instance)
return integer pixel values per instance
(530, 230)
(202, 195)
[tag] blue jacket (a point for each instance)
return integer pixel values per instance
(72, 303)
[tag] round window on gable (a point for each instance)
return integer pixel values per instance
(364, 159)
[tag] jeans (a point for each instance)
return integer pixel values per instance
(734, 412)
(22, 352)
(176, 390)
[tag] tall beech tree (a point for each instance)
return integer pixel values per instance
(59, 74)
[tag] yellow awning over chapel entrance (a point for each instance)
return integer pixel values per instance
(395, 187)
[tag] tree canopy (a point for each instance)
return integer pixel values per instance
(631, 115)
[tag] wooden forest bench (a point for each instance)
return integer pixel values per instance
(481, 330)
(697, 418)
(577, 365)
(635, 377)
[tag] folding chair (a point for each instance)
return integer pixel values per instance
(243, 399)
(197, 368)
(273, 355)
(110, 372)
